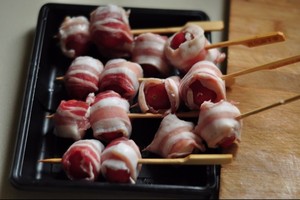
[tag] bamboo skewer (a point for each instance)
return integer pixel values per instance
(272, 65)
(258, 40)
(190, 114)
(206, 25)
(192, 159)
(279, 103)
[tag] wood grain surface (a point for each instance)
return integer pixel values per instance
(267, 162)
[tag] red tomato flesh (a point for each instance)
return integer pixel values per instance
(202, 93)
(157, 97)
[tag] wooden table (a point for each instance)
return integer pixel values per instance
(267, 161)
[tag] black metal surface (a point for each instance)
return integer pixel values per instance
(35, 139)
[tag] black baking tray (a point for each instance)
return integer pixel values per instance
(35, 138)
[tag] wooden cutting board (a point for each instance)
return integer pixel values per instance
(267, 161)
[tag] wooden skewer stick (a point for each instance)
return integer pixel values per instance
(192, 159)
(272, 65)
(206, 25)
(253, 41)
(284, 101)
(190, 114)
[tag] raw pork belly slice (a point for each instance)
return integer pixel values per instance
(74, 36)
(82, 77)
(159, 95)
(109, 116)
(202, 83)
(119, 161)
(121, 76)
(110, 31)
(175, 138)
(186, 47)
(82, 160)
(148, 51)
(217, 124)
(214, 55)
(71, 119)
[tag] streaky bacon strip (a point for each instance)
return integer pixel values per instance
(122, 77)
(119, 161)
(175, 138)
(71, 119)
(148, 51)
(109, 116)
(82, 76)
(82, 160)
(110, 30)
(187, 47)
(202, 83)
(214, 55)
(74, 36)
(159, 95)
(217, 124)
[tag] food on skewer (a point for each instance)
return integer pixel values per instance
(202, 83)
(121, 76)
(206, 25)
(71, 119)
(82, 77)
(159, 95)
(109, 116)
(110, 31)
(74, 36)
(119, 161)
(148, 51)
(175, 138)
(82, 160)
(186, 47)
(218, 124)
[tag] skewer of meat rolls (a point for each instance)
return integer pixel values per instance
(203, 82)
(148, 51)
(110, 31)
(119, 161)
(218, 124)
(109, 116)
(159, 95)
(82, 77)
(121, 76)
(82, 160)
(175, 138)
(74, 36)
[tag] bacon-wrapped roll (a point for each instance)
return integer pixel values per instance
(159, 95)
(109, 116)
(82, 77)
(110, 31)
(82, 160)
(186, 47)
(71, 119)
(217, 124)
(119, 161)
(202, 83)
(121, 76)
(148, 51)
(175, 138)
(74, 36)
